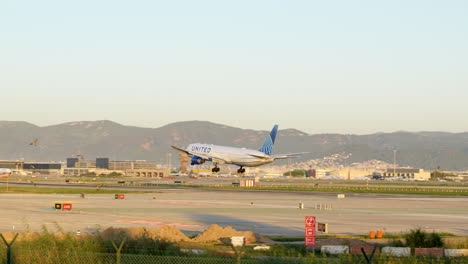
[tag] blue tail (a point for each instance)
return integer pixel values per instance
(267, 147)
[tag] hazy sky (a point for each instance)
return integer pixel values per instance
(319, 66)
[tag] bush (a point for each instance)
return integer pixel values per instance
(114, 174)
(434, 240)
(396, 243)
(418, 238)
(290, 250)
(88, 174)
(295, 173)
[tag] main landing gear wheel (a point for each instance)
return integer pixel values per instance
(241, 170)
(215, 169)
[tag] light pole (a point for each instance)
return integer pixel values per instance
(394, 162)
(169, 162)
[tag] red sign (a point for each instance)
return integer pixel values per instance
(310, 241)
(121, 196)
(321, 227)
(66, 206)
(310, 231)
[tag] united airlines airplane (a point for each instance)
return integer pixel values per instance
(238, 156)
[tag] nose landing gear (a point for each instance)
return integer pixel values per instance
(241, 170)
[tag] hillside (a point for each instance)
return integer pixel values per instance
(118, 142)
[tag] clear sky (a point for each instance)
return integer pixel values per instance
(318, 66)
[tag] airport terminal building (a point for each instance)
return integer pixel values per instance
(350, 173)
(405, 173)
(133, 168)
(27, 167)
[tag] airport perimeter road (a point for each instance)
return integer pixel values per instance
(264, 212)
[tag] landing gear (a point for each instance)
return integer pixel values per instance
(215, 169)
(241, 170)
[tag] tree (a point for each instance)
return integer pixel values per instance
(115, 174)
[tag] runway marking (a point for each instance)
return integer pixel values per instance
(157, 223)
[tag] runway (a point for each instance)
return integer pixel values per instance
(264, 212)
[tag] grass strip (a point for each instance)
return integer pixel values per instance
(336, 189)
(43, 190)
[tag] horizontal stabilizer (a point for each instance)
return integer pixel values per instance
(289, 155)
(259, 157)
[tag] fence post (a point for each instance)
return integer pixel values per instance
(8, 260)
(117, 250)
(369, 259)
(239, 251)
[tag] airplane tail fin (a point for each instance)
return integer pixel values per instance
(267, 147)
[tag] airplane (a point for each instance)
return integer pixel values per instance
(242, 157)
(4, 172)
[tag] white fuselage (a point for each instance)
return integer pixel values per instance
(230, 155)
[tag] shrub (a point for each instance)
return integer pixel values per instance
(418, 238)
(115, 174)
(434, 240)
(290, 250)
(397, 243)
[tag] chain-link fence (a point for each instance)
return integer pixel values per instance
(54, 257)
(41, 257)
(2, 253)
(95, 258)
(67, 249)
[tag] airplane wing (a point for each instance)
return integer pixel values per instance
(181, 150)
(209, 157)
(191, 154)
(218, 160)
(214, 158)
(289, 155)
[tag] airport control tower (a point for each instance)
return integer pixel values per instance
(183, 158)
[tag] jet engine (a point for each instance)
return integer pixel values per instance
(197, 160)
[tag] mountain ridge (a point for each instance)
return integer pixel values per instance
(105, 138)
(227, 126)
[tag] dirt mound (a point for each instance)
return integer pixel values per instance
(341, 241)
(167, 233)
(170, 233)
(113, 233)
(215, 233)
